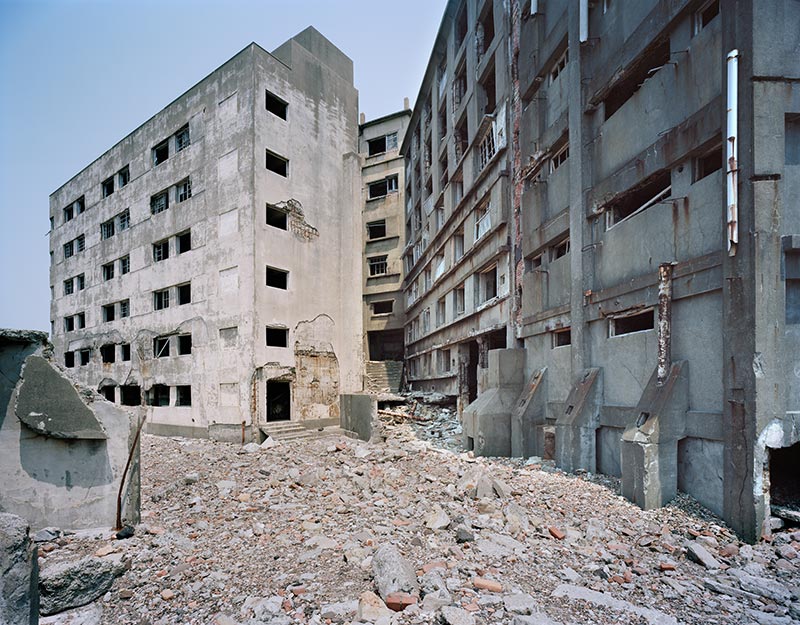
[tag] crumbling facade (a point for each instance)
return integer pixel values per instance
(650, 227)
(383, 240)
(198, 266)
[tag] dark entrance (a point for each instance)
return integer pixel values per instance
(784, 487)
(279, 401)
(131, 395)
(472, 372)
(386, 345)
(496, 340)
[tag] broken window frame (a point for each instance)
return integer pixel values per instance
(702, 17)
(161, 348)
(160, 250)
(376, 230)
(123, 176)
(559, 65)
(158, 396)
(159, 202)
(160, 153)
(559, 249)
(161, 299)
(107, 186)
(634, 318)
(707, 163)
(560, 157)
(486, 285)
(108, 271)
(277, 217)
(612, 211)
(381, 188)
(107, 229)
(378, 265)
(183, 190)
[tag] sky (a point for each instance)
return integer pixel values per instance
(76, 76)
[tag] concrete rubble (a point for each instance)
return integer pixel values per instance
(341, 531)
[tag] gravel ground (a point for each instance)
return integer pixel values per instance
(287, 534)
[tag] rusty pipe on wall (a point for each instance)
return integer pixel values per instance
(664, 321)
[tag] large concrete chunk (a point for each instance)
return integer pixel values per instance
(393, 573)
(73, 584)
(576, 427)
(18, 599)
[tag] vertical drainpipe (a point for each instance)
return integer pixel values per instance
(584, 21)
(664, 321)
(731, 149)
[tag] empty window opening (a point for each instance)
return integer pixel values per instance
(705, 15)
(279, 401)
(376, 146)
(108, 186)
(81, 282)
(159, 202)
(559, 158)
(69, 324)
(125, 352)
(183, 190)
(559, 66)
(161, 299)
(130, 395)
(784, 487)
(69, 359)
(383, 307)
(653, 192)
(276, 106)
(708, 163)
(562, 337)
(124, 220)
(86, 356)
(792, 274)
(461, 26)
(183, 242)
(277, 217)
(183, 395)
(161, 153)
(489, 91)
(124, 309)
(277, 337)
(123, 176)
(158, 395)
(277, 164)
(184, 344)
(643, 68)
(74, 209)
(459, 301)
(109, 392)
(628, 324)
(277, 278)
(184, 294)
(487, 283)
(108, 312)
(108, 271)
(182, 138)
(161, 250)
(378, 265)
(376, 229)
(80, 320)
(161, 347)
(108, 353)
(485, 33)
(382, 188)
(557, 250)
(792, 139)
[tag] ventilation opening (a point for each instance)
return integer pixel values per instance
(279, 404)
(784, 488)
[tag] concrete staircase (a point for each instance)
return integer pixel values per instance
(382, 376)
(295, 430)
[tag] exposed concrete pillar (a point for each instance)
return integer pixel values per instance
(649, 447)
(576, 427)
(527, 436)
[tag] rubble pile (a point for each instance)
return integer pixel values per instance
(406, 532)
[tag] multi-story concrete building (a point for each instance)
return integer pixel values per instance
(458, 265)
(200, 263)
(383, 184)
(649, 213)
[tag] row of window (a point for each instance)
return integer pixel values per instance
(382, 144)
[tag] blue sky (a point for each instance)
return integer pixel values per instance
(77, 76)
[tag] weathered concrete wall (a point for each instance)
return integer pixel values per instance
(359, 415)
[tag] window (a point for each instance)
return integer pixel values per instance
(161, 250)
(459, 300)
(108, 353)
(708, 163)
(559, 249)
(69, 249)
(441, 311)
(458, 245)
(645, 67)
(161, 299)
(444, 361)
(182, 140)
(124, 265)
(486, 149)
(80, 243)
(183, 242)
(109, 392)
(652, 192)
(276, 106)
(485, 29)
(80, 320)
(161, 347)
(160, 153)
(562, 337)
(628, 324)
(183, 190)
(159, 395)
(483, 222)
(68, 213)
(382, 307)
(559, 158)
(277, 164)
(69, 324)
(792, 274)
(184, 344)
(183, 395)
(69, 359)
(184, 294)
(159, 202)
(81, 280)
(277, 278)
(124, 309)
(68, 287)
(792, 139)
(107, 229)
(229, 337)
(487, 285)
(382, 144)
(108, 271)
(123, 176)
(704, 16)
(461, 26)
(382, 188)
(124, 220)
(277, 337)
(130, 395)
(378, 265)
(125, 352)
(74, 209)
(86, 356)
(277, 217)
(108, 313)
(108, 186)
(376, 229)
(559, 66)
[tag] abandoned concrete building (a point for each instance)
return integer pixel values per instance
(383, 232)
(618, 203)
(192, 264)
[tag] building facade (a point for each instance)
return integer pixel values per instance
(649, 219)
(198, 265)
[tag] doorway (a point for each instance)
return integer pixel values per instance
(279, 401)
(472, 372)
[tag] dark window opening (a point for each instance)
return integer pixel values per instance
(159, 202)
(376, 146)
(277, 337)
(485, 33)
(69, 324)
(382, 188)
(184, 344)
(562, 337)
(125, 350)
(124, 176)
(183, 242)
(705, 15)
(645, 67)
(276, 217)
(108, 312)
(277, 278)
(161, 250)
(183, 395)
(108, 271)
(108, 353)
(69, 287)
(184, 294)
(559, 249)
(130, 395)
(655, 190)
(124, 265)
(108, 186)
(161, 347)
(376, 229)
(632, 323)
(276, 106)
(792, 274)
(487, 285)
(80, 320)
(792, 139)
(183, 190)
(277, 164)
(161, 299)
(279, 403)
(159, 395)
(86, 356)
(161, 153)
(784, 487)
(383, 307)
(109, 393)
(69, 359)
(708, 163)
(489, 92)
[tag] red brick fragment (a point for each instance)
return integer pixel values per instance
(557, 533)
(399, 601)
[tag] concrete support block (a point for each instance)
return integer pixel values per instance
(649, 447)
(487, 420)
(577, 425)
(358, 415)
(527, 436)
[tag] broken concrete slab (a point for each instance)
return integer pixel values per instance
(73, 584)
(18, 572)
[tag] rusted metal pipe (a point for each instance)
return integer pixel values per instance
(664, 321)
